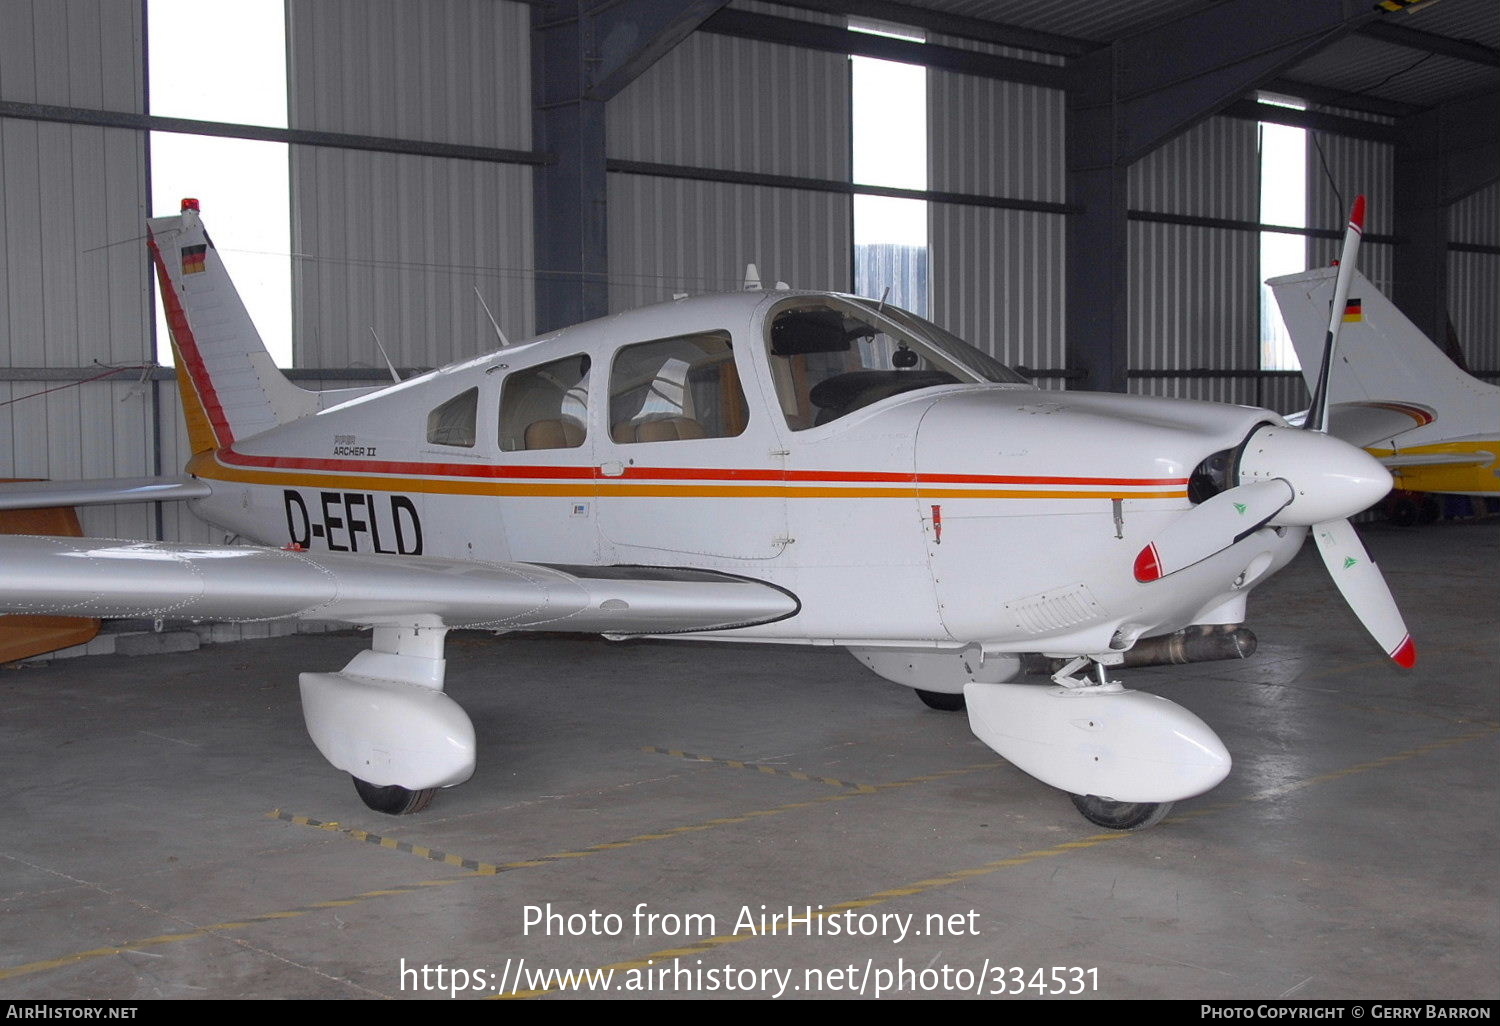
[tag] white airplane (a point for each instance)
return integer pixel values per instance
(763, 466)
(1395, 393)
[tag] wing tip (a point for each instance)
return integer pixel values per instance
(1148, 565)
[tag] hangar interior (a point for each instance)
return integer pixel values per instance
(1091, 200)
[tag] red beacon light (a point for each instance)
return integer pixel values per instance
(189, 203)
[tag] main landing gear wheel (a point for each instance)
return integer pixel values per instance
(393, 800)
(942, 700)
(1115, 815)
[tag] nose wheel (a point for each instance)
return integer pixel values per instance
(393, 799)
(1113, 815)
(941, 700)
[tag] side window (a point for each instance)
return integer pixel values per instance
(452, 423)
(676, 388)
(546, 407)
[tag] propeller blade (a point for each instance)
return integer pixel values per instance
(1211, 527)
(1363, 587)
(1317, 413)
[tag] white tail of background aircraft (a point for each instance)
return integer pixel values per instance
(1393, 390)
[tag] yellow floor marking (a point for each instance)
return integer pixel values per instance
(171, 938)
(1067, 847)
(475, 868)
(774, 771)
(488, 869)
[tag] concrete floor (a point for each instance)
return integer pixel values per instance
(173, 833)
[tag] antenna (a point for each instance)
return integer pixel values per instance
(883, 297)
(504, 342)
(394, 376)
(752, 278)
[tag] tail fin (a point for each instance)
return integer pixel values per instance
(231, 388)
(1383, 357)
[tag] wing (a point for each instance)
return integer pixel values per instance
(45, 494)
(95, 577)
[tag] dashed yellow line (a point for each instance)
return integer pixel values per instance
(476, 868)
(709, 944)
(777, 771)
(493, 868)
(1065, 848)
(203, 931)
(879, 897)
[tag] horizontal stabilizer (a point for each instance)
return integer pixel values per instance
(1477, 458)
(101, 492)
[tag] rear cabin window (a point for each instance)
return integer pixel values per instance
(452, 423)
(546, 407)
(675, 389)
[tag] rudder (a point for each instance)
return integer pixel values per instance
(231, 388)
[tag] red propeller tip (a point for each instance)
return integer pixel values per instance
(1406, 653)
(1357, 217)
(1148, 565)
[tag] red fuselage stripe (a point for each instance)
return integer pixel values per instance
(520, 471)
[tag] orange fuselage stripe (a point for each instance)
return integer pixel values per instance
(908, 486)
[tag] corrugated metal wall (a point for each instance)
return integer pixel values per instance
(1340, 167)
(73, 273)
(669, 235)
(456, 71)
(1193, 302)
(998, 275)
(1474, 278)
(737, 105)
(998, 280)
(398, 242)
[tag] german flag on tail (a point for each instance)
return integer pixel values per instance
(194, 259)
(1353, 311)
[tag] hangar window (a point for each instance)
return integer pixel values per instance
(227, 63)
(889, 137)
(1283, 201)
(675, 389)
(546, 407)
(452, 423)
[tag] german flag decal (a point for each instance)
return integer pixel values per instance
(1353, 311)
(194, 259)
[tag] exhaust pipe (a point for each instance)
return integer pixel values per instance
(1200, 643)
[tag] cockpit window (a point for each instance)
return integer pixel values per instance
(829, 359)
(951, 345)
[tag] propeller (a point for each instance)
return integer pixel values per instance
(1300, 477)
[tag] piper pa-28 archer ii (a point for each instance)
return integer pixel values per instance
(771, 465)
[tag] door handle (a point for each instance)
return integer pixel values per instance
(612, 468)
